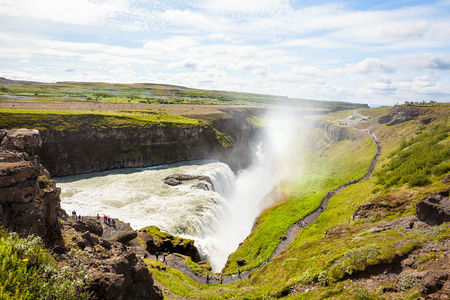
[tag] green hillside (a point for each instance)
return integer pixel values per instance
(335, 256)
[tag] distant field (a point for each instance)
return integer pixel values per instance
(147, 93)
(175, 109)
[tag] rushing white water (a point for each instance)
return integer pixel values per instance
(139, 197)
(217, 220)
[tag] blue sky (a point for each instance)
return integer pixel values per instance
(359, 51)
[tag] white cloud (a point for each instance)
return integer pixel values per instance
(405, 30)
(80, 12)
(381, 85)
(429, 61)
(186, 64)
(325, 51)
(306, 70)
(243, 6)
(370, 65)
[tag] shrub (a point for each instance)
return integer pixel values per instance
(28, 271)
(416, 161)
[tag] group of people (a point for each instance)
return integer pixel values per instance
(217, 278)
(107, 220)
(75, 217)
(301, 222)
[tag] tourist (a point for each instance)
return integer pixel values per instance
(156, 255)
(239, 273)
(207, 278)
(221, 279)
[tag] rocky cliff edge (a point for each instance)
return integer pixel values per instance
(30, 205)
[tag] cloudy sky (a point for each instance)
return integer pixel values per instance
(376, 52)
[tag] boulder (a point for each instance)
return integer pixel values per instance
(89, 224)
(92, 239)
(25, 140)
(433, 281)
(125, 237)
(82, 243)
(105, 244)
(200, 186)
(435, 209)
(122, 276)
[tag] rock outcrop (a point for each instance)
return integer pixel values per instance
(435, 209)
(177, 179)
(379, 207)
(400, 114)
(30, 204)
(116, 271)
(337, 133)
(29, 199)
(156, 241)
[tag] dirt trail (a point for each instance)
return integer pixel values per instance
(176, 262)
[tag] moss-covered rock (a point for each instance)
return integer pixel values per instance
(160, 242)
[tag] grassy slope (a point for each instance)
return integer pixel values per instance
(313, 260)
(320, 173)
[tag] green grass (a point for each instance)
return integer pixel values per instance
(64, 120)
(418, 160)
(28, 271)
(159, 236)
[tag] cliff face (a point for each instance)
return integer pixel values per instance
(30, 204)
(401, 113)
(337, 133)
(90, 150)
(29, 201)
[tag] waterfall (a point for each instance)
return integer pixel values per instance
(217, 220)
(139, 197)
